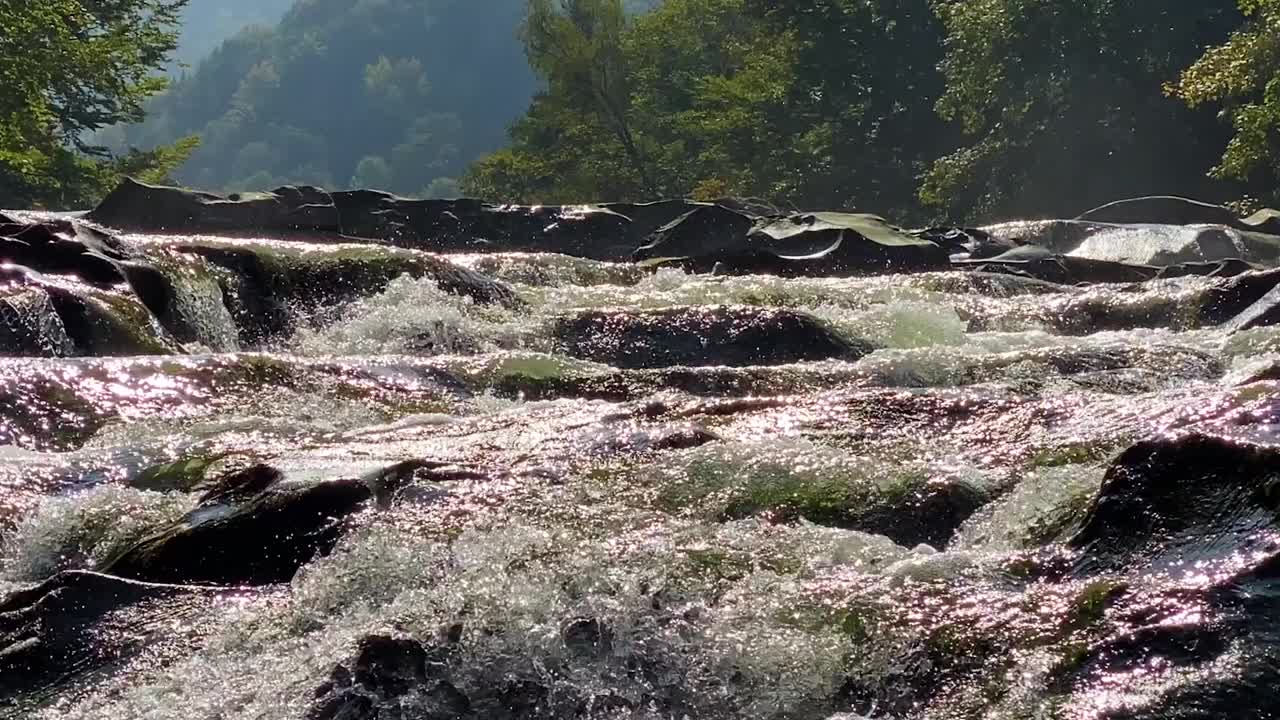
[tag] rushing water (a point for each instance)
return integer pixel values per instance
(886, 537)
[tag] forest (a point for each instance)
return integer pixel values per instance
(916, 109)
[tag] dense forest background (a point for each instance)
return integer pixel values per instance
(916, 109)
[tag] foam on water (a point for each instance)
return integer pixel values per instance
(81, 530)
(720, 632)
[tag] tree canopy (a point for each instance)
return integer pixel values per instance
(67, 69)
(1243, 75)
(404, 92)
(923, 109)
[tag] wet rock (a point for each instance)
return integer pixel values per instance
(973, 243)
(260, 542)
(1231, 298)
(389, 677)
(239, 486)
(646, 218)
(1161, 209)
(1058, 236)
(929, 516)
(266, 288)
(706, 233)
(47, 317)
(1161, 245)
(465, 225)
(1263, 313)
(1172, 210)
(1219, 269)
(1044, 264)
(1195, 501)
(702, 337)
(133, 205)
(63, 248)
(726, 241)
(51, 634)
(29, 325)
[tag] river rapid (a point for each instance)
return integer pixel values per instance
(998, 508)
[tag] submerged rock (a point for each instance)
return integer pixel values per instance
(389, 675)
(44, 317)
(702, 337)
(1232, 300)
(260, 542)
(1195, 501)
(268, 287)
(51, 634)
(1263, 313)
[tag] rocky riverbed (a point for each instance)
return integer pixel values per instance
(348, 456)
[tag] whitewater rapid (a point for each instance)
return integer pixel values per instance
(826, 539)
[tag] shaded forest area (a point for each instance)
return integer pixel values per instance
(916, 109)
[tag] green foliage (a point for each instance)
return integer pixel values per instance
(826, 103)
(372, 172)
(68, 69)
(1244, 74)
(425, 85)
(1061, 103)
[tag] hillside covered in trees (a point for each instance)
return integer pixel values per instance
(398, 94)
(206, 23)
(916, 109)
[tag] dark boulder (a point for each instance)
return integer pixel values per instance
(1263, 313)
(389, 676)
(1265, 221)
(705, 233)
(1161, 245)
(263, 541)
(473, 226)
(1161, 210)
(63, 248)
(720, 239)
(1231, 299)
(702, 337)
(1196, 501)
(646, 218)
(1218, 269)
(1042, 263)
(267, 287)
(1060, 236)
(43, 317)
(1172, 210)
(239, 486)
(973, 243)
(843, 244)
(51, 634)
(138, 206)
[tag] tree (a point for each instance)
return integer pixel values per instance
(372, 172)
(68, 69)
(1244, 75)
(1061, 103)
(338, 81)
(576, 47)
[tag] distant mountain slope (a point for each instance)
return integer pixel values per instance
(206, 23)
(401, 94)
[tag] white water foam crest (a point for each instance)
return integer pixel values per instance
(410, 317)
(81, 530)
(720, 653)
